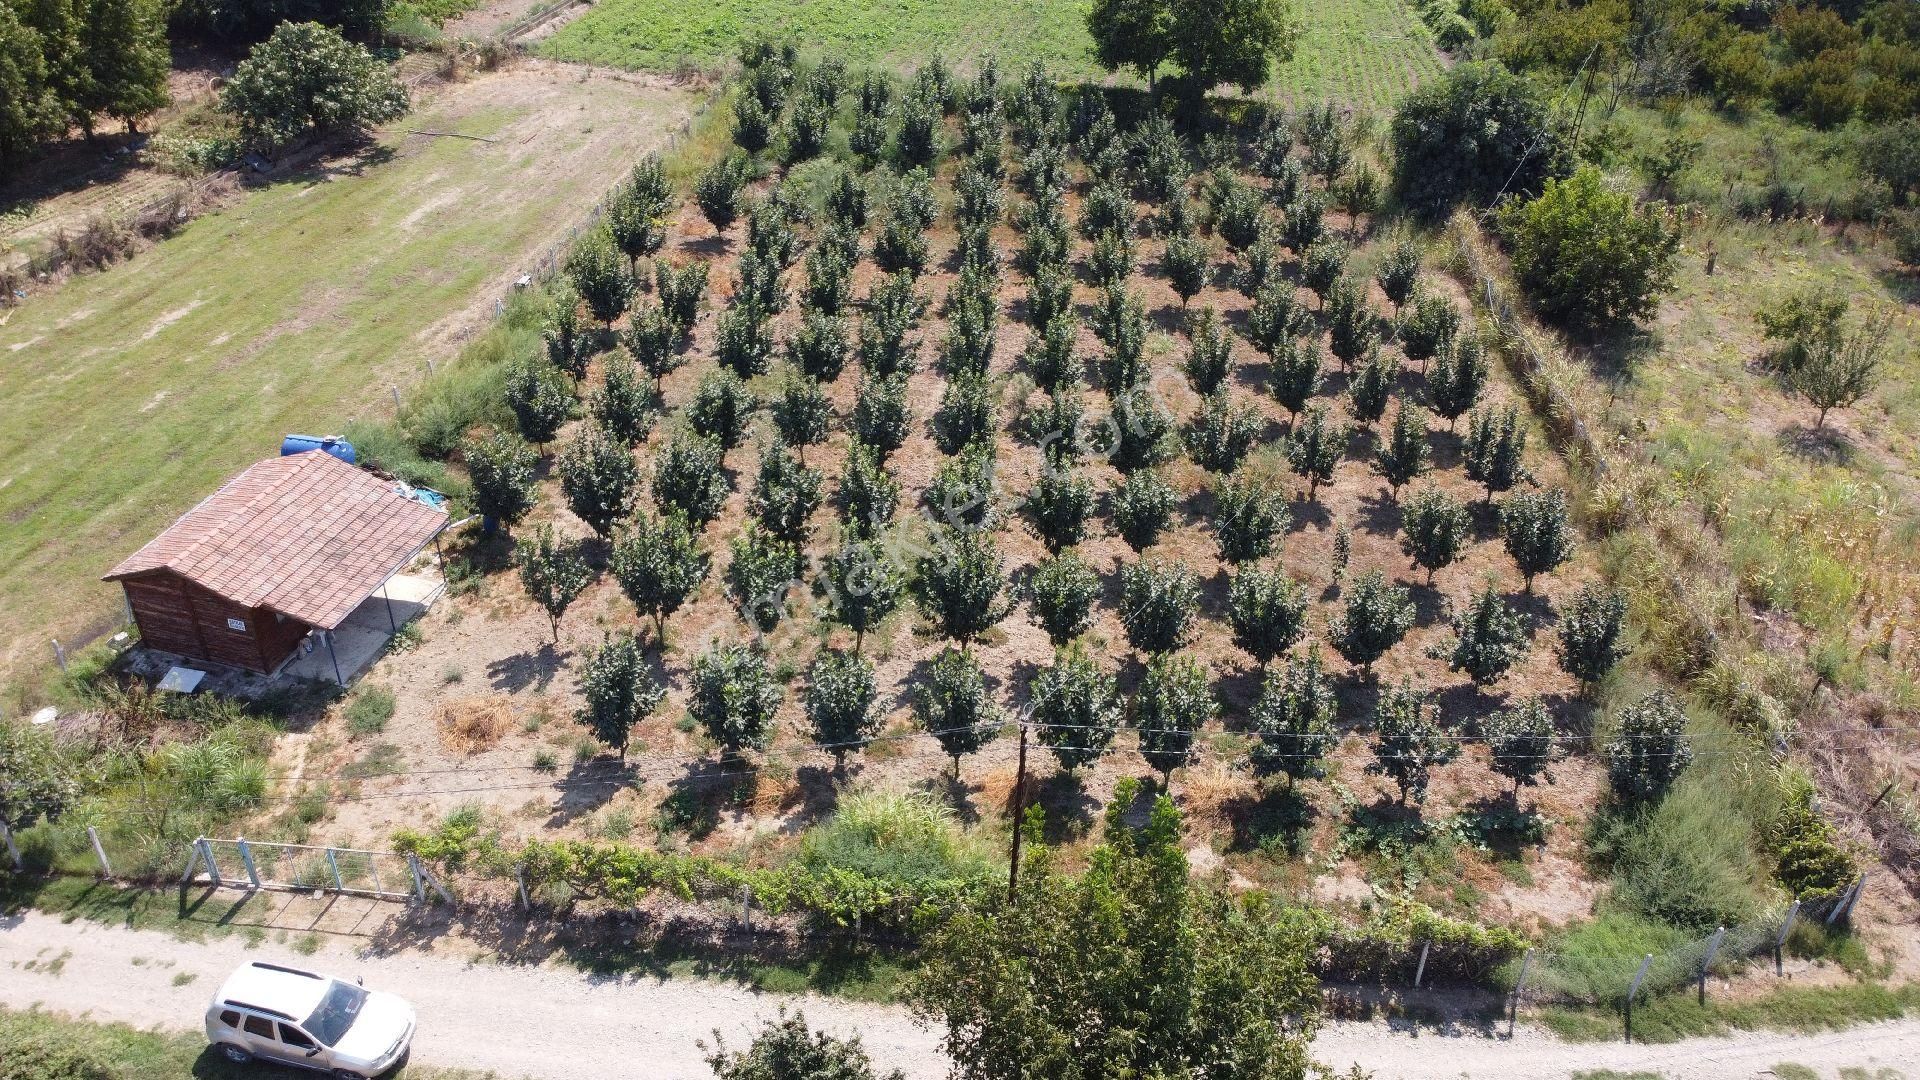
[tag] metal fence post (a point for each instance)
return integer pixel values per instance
(1706, 962)
(333, 865)
(1634, 989)
(246, 860)
(13, 851)
(213, 868)
(520, 877)
(1859, 886)
(419, 879)
(746, 908)
(193, 860)
(1422, 969)
(1780, 942)
(1519, 984)
(106, 868)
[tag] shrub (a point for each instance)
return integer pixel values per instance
(839, 702)
(1159, 603)
(867, 494)
(1458, 377)
(1293, 721)
(1399, 272)
(819, 346)
(958, 585)
(1588, 256)
(1809, 858)
(688, 478)
(1075, 708)
(1434, 529)
(1535, 530)
(1210, 359)
(618, 690)
(1408, 741)
(1590, 627)
(1429, 329)
(718, 190)
(367, 712)
(863, 587)
(1267, 610)
(1249, 517)
(599, 479)
(539, 402)
(1489, 638)
(658, 563)
(1375, 617)
(1059, 507)
(1495, 448)
(1520, 741)
(880, 413)
(1173, 701)
(752, 127)
(306, 77)
(553, 572)
(622, 406)
(1293, 377)
(721, 408)
(966, 412)
(1407, 452)
(600, 274)
(785, 494)
(1142, 506)
(763, 569)
(733, 697)
(953, 706)
(1314, 448)
(501, 468)
(802, 413)
(1467, 136)
(787, 1049)
(1650, 749)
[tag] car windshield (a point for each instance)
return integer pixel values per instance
(336, 1013)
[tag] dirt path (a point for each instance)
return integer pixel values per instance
(558, 1024)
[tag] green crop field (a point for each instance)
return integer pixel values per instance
(1367, 52)
(127, 396)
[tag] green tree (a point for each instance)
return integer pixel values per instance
(1458, 377)
(867, 494)
(1314, 448)
(1323, 264)
(1399, 272)
(1489, 638)
(1231, 41)
(1126, 970)
(600, 274)
(721, 408)
(1143, 428)
(786, 1049)
(1221, 435)
(501, 469)
(539, 403)
(733, 697)
(30, 110)
(1173, 701)
(681, 291)
(1587, 255)
(618, 689)
(1294, 375)
(1495, 449)
(1267, 610)
(763, 569)
(1249, 518)
(553, 571)
(1890, 154)
(1536, 532)
(1142, 506)
(38, 785)
(1075, 708)
(1408, 742)
(637, 214)
(718, 190)
(785, 494)
(967, 412)
(599, 479)
(307, 78)
(1371, 388)
(1159, 604)
(1185, 264)
(1429, 329)
(863, 587)
(1841, 369)
(1375, 618)
(1135, 34)
(839, 703)
(658, 563)
(802, 413)
(1435, 529)
(959, 582)
(1470, 135)
(1353, 328)
(1520, 741)
(688, 478)
(880, 412)
(622, 406)
(1293, 721)
(653, 341)
(819, 347)
(743, 338)
(1407, 452)
(1650, 749)
(1590, 633)
(1061, 592)
(953, 705)
(124, 49)
(1210, 360)
(1059, 507)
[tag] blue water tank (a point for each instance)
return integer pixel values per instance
(300, 444)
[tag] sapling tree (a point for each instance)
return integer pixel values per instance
(1267, 610)
(762, 570)
(653, 342)
(688, 478)
(743, 338)
(967, 412)
(1590, 633)
(1159, 605)
(681, 290)
(1490, 637)
(1495, 449)
(864, 586)
(658, 563)
(1293, 721)
(721, 408)
(501, 469)
(1520, 740)
(952, 704)
(1435, 529)
(1185, 263)
(1210, 355)
(839, 703)
(1376, 616)
(1399, 272)
(1322, 264)
(553, 571)
(1371, 388)
(959, 584)
(880, 412)
(1650, 749)
(1059, 507)
(1249, 518)
(718, 190)
(599, 479)
(1458, 377)
(829, 279)
(1293, 376)
(622, 406)
(1173, 701)
(867, 494)
(1075, 708)
(1143, 430)
(785, 494)
(1120, 322)
(1276, 316)
(752, 126)
(802, 413)
(1314, 448)
(1408, 742)
(733, 697)
(962, 491)
(538, 401)
(819, 346)
(1058, 427)
(1221, 435)
(569, 347)
(1061, 592)
(1429, 329)
(1840, 369)
(1536, 532)
(618, 690)
(1306, 221)
(1353, 329)
(1238, 210)
(1142, 506)
(1406, 454)
(600, 274)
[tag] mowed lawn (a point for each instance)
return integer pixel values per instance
(127, 396)
(1364, 52)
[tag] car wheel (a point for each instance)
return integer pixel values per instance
(235, 1054)
(347, 1074)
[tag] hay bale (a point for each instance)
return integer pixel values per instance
(472, 724)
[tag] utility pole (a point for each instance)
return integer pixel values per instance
(1019, 816)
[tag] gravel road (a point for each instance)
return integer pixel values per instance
(554, 1023)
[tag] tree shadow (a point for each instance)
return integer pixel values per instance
(528, 670)
(1069, 806)
(1821, 445)
(1238, 690)
(1303, 510)
(588, 786)
(1278, 821)
(1381, 514)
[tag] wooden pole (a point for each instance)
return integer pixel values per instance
(1019, 814)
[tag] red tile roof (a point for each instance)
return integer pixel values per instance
(307, 535)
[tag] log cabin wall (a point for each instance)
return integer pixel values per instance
(181, 616)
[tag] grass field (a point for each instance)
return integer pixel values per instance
(127, 396)
(1367, 52)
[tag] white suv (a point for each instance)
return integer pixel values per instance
(293, 1017)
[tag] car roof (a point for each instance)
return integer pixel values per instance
(273, 988)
